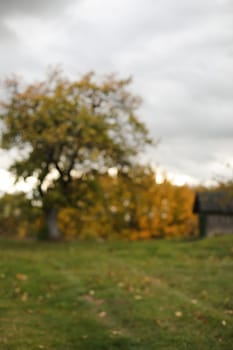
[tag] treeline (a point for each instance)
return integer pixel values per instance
(127, 205)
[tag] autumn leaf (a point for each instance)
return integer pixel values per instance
(229, 312)
(17, 290)
(178, 314)
(24, 297)
(121, 284)
(115, 332)
(147, 280)
(21, 277)
(158, 322)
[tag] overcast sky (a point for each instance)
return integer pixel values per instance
(179, 52)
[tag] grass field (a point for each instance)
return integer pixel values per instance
(117, 295)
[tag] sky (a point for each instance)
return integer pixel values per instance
(179, 53)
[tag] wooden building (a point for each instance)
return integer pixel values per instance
(215, 211)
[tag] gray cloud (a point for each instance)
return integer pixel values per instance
(6, 35)
(29, 7)
(180, 53)
(200, 159)
(23, 8)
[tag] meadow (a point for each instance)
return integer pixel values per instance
(158, 294)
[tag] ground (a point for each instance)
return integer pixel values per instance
(116, 295)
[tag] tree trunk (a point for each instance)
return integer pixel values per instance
(54, 234)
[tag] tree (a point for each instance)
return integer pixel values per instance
(69, 131)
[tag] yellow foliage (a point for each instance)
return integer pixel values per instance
(137, 209)
(68, 222)
(22, 230)
(131, 206)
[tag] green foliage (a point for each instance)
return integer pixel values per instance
(68, 129)
(116, 295)
(18, 217)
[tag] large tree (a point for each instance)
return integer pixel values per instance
(67, 131)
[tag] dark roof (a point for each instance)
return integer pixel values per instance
(220, 202)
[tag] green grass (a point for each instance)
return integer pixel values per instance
(117, 295)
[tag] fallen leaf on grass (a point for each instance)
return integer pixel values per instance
(91, 299)
(17, 290)
(194, 301)
(115, 332)
(102, 314)
(24, 297)
(159, 323)
(137, 297)
(121, 284)
(147, 280)
(178, 314)
(229, 312)
(130, 289)
(224, 323)
(21, 277)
